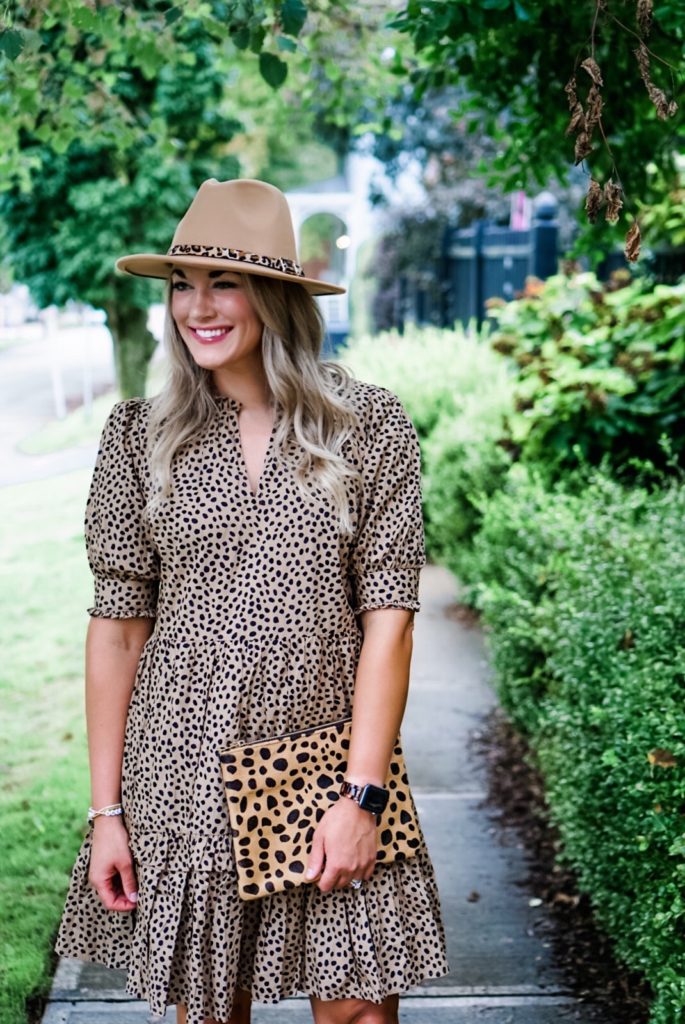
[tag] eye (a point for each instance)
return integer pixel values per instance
(225, 284)
(178, 286)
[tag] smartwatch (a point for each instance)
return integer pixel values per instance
(370, 798)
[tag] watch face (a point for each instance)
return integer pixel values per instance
(374, 799)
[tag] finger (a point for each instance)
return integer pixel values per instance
(328, 881)
(120, 903)
(106, 893)
(316, 857)
(333, 877)
(129, 884)
(111, 895)
(366, 875)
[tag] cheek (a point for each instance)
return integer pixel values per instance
(178, 306)
(244, 311)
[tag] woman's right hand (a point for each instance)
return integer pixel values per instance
(111, 873)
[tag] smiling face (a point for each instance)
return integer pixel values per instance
(215, 320)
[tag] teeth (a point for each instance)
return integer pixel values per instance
(211, 333)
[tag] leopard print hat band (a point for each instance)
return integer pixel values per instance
(254, 216)
(225, 252)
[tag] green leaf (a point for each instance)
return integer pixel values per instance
(85, 19)
(272, 69)
(293, 16)
(173, 15)
(284, 43)
(241, 37)
(521, 13)
(257, 37)
(11, 43)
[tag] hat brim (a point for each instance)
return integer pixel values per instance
(155, 265)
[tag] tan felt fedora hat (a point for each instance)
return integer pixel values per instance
(243, 226)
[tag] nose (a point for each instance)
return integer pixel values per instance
(202, 304)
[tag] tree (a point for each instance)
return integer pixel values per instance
(519, 61)
(111, 116)
(76, 211)
(526, 74)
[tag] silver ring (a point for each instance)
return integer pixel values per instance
(356, 883)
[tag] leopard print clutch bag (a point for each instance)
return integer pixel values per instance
(279, 789)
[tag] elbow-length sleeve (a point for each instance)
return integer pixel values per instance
(389, 550)
(122, 558)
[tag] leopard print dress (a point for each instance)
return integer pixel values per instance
(255, 597)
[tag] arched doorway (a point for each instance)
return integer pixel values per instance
(323, 247)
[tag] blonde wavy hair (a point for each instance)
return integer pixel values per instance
(310, 391)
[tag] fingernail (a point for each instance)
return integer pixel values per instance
(310, 873)
(133, 897)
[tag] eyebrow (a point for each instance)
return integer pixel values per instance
(213, 273)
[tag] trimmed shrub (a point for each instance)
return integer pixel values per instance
(457, 392)
(601, 372)
(585, 609)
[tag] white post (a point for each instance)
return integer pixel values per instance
(87, 377)
(50, 331)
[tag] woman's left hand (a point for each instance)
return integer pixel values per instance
(344, 846)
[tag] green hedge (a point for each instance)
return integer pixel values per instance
(583, 597)
(580, 577)
(458, 392)
(600, 373)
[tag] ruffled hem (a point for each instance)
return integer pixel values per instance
(192, 940)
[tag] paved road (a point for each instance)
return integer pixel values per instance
(502, 969)
(32, 374)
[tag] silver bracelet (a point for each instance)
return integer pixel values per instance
(110, 811)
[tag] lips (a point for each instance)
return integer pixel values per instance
(211, 335)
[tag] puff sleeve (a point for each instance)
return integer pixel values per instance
(123, 560)
(388, 550)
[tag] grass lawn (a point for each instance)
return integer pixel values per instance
(45, 588)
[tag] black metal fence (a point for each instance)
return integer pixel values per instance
(486, 261)
(478, 263)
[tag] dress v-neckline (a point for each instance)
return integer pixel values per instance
(254, 494)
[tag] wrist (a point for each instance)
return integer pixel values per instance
(103, 824)
(356, 810)
(107, 811)
(362, 780)
(367, 796)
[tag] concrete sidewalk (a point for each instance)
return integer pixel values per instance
(501, 965)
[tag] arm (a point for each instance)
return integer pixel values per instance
(113, 648)
(380, 692)
(386, 557)
(380, 696)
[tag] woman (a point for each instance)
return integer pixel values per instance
(255, 535)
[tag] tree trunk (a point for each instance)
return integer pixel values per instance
(133, 347)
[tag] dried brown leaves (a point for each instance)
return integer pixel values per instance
(645, 9)
(664, 107)
(593, 200)
(609, 197)
(614, 203)
(632, 249)
(584, 122)
(662, 758)
(588, 117)
(592, 67)
(577, 115)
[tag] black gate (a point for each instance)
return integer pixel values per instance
(481, 262)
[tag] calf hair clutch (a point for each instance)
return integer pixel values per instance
(279, 789)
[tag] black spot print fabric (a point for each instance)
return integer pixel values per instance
(255, 597)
